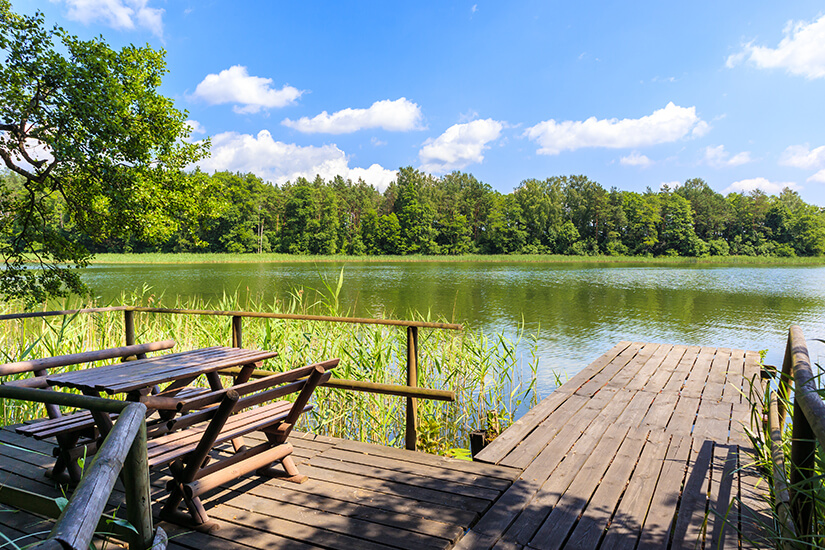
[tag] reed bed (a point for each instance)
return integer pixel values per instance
(493, 376)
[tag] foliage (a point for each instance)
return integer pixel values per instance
(95, 151)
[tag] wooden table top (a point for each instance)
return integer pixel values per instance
(145, 373)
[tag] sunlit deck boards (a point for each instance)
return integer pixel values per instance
(358, 496)
(642, 449)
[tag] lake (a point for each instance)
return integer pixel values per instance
(578, 311)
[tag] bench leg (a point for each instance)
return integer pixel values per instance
(292, 473)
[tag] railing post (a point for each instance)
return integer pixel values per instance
(135, 477)
(129, 326)
(237, 332)
(411, 433)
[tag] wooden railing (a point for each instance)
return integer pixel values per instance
(794, 498)
(411, 391)
(124, 449)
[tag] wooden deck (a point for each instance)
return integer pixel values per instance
(642, 449)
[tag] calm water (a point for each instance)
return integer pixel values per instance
(578, 311)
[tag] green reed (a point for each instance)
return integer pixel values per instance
(486, 371)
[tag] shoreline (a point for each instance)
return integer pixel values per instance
(221, 258)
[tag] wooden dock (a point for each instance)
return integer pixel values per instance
(642, 449)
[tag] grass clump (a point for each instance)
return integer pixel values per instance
(485, 371)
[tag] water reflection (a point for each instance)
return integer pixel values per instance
(577, 311)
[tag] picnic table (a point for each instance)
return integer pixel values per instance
(193, 420)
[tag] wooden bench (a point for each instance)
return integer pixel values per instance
(227, 415)
(76, 433)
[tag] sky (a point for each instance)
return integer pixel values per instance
(632, 95)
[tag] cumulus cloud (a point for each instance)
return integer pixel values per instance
(819, 177)
(400, 115)
(801, 52)
(802, 156)
(662, 126)
(249, 93)
(763, 184)
(719, 158)
(117, 14)
(460, 146)
(635, 159)
(281, 162)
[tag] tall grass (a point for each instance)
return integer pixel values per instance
(486, 371)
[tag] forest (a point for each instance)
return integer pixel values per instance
(457, 214)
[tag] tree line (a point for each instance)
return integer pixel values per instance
(457, 214)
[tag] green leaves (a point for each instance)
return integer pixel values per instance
(84, 127)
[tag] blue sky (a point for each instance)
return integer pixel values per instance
(629, 94)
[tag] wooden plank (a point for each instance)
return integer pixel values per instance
(713, 421)
(736, 377)
(660, 411)
(723, 516)
(594, 521)
(718, 374)
(360, 508)
(677, 380)
(416, 487)
(390, 496)
(635, 354)
(461, 482)
(657, 362)
(755, 518)
(401, 532)
(518, 431)
(557, 482)
(573, 410)
(656, 530)
(629, 517)
(689, 530)
(684, 416)
(493, 472)
(695, 383)
(659, 379)
(553, 532)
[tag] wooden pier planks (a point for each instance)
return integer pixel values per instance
(646, 449)
(357, 496)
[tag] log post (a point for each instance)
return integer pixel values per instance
(135, 477)
(237, 332)
(411, 432)
(129, 326)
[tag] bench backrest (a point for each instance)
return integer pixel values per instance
(203, 407)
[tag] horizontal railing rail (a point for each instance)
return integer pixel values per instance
(124, 449)
(411, 391)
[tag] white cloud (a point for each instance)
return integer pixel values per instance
(819, 177)
(195, 126)
(117, 14)
(763, 184)
(249, 93)
(635, 159)
(719, 158)
(281, 162)
(801, 156)
(460, 146)
(662, 126)
(801, 52)
(400, 115)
